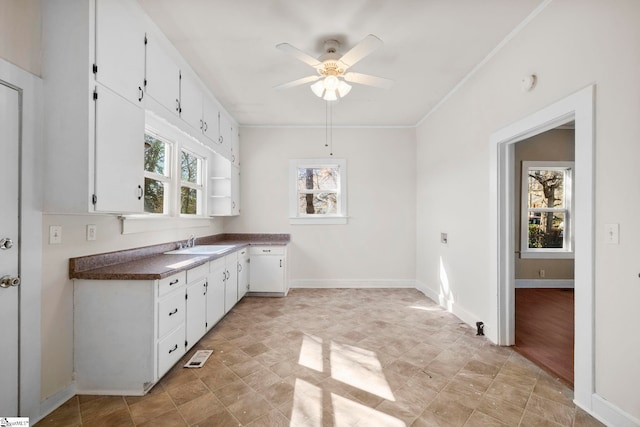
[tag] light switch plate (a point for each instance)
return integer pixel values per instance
(55, 234)
(92, 231)
(444, 238)
(612, 233)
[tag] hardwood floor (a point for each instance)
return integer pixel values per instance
(545, 329)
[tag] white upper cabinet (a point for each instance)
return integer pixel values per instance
(224, 133)
(210, 120)
(235, 146)
(119, 48)
(162, 76)
(191, 101)
(119, 154)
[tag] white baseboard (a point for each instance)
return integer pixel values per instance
(459, 311)
(348, 283)
(54, 401)
(544, 283)
(610, 414)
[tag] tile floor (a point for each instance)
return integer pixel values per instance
(341, 357)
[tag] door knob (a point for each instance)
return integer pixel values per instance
(6, 243)
(7, 281)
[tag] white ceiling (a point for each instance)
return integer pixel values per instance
(429, 47)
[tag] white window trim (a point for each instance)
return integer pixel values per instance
(547, 253)
(297, 219)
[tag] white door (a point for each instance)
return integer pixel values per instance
(9, 247)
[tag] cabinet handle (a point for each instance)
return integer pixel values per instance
(175, 310)
(228, 275)
(178, 105)
(201, 125)
(173, 282)
(233, 204)
(140, 192)
(140, 93)
(233, 158)
(239, 268)
(205, 126)
(280, 263)
(220, 139)
(224, 276)
(175, 347)
(266, 250)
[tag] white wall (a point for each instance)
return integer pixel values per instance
(379, 240)
(569, 46)
(57, 289)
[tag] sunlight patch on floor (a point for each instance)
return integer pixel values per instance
(359, 368)
(347, 413)
(311, 352)
(307, 405)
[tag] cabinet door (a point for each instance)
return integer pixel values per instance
(191, 101)
(119, 154)
(235, 190)
(215, 292)
(231, 285)
(196, 311)
(267, 273)
(235, 146)
(162, 77)
(120, 48)
(210, 120)
(225, 140)
(243, 273)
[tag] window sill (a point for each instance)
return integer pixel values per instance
(547, 255)
(153, 222)
(327, 220)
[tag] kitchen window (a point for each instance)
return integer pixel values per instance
(191, 184)
(157, 176)
(547, 217)
(318, 191)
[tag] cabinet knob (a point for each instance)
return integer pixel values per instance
(8, 281)
(6, 243)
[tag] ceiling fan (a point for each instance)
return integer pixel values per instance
(332, 78)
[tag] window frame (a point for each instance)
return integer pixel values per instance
(199, 185)
(167, 180)
(567, 251)
(340, 217)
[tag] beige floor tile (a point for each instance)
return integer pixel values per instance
(100, 407)
(478, 419)
(550, 410)
(249, 408)
(187, 392)
(501, 410)
(153, 407)
(168, 419)
(200, 408)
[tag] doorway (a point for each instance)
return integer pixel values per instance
(9, 249)
(579, 108)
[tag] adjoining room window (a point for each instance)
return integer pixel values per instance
(547, 220)
(318, 191)
(157, 176)
(191, 187)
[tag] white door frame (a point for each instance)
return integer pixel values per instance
(578, 107)
(30, 134)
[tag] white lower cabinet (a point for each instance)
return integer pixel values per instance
(196, 298)
(268, 270)
(215, 292)
(231, 281)
(243, 272)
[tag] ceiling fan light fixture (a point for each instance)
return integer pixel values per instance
(330, 95)
(343, 88)
(331, 83)
(318, 88)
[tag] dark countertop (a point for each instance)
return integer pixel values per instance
(151, 263)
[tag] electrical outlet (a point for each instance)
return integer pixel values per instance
(444, 238)
(541, 273)
(55, 234)
(612, 233)
(92, 231)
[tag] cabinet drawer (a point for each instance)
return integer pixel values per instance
(267, 250)
(170, 350)
(172, 282)
(171, 313)
(198, 272)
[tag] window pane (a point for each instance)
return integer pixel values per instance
(546, 188)
(153, 196)
(546, 230)
(189, 167)
(318, 204)
(154, 155)
(318, 178)
(188, 200)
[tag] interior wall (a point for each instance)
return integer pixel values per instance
(20, 33)
(378, 243)
(553, 145)
(568, 48)
(57, 289)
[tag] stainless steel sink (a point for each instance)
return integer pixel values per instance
(201, 250)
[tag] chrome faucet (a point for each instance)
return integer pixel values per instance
(191, 242)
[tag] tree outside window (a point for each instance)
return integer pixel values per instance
(156, 173)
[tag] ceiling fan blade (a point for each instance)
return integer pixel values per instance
(366, 79)
(298, 82)
(298, 54)
(359, 51)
